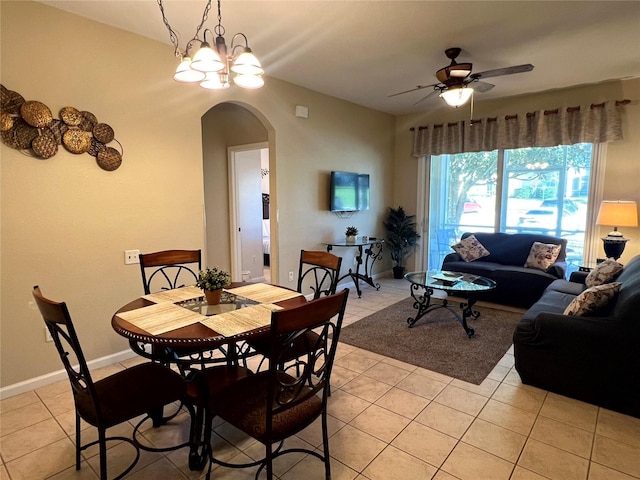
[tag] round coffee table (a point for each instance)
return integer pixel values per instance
(462, 285)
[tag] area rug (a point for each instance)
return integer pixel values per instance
(437, 341)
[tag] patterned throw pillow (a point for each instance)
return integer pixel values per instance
(470, 249)
(542, 255)
(592, 299)
(603, 273)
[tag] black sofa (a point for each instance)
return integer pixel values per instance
(593, 358)
(516, 285)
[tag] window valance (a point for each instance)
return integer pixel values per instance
(595, 123)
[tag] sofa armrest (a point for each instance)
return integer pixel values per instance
(452, 257)
(586, 334)
(558, 269)
(578, 277)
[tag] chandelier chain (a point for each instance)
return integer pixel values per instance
(173, 36)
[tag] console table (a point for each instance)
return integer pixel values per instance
(368, 256)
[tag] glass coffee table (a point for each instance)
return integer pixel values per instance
(462, 285)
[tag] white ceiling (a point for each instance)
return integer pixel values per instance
(363, 51)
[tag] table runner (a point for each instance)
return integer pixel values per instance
(264, 293)
(242, 320)
(161, 317)
(175, 295)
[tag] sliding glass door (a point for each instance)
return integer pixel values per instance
(535, 190)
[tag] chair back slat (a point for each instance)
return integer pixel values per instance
(58, 320)
(296, 381)
(169, 269)
(320, 271)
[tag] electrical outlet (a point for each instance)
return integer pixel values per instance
(253, 259)
(47, 335)
(291, 276)
(131, 257)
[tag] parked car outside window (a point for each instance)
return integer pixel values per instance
(471, 206)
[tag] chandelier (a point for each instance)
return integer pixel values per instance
(211, 66)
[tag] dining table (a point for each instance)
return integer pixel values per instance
(178, 327)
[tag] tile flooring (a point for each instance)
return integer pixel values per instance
(388, 420)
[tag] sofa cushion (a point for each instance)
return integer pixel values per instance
(513, 248)
(603, 273)
(542, 255)
(470, 249)
(592, 299)
(566, 286)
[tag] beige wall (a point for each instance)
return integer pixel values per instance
(622, 159)
(66, 223)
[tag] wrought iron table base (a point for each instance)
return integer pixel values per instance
(423, 304)
(371, 254)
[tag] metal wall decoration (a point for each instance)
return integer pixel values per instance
(29, 126)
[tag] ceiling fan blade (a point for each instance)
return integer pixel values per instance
(527, 67)
(481, 87)
(419, 87)
(427, 96)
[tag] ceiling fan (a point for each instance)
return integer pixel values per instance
(457, 83)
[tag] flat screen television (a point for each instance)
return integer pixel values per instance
(349, 192)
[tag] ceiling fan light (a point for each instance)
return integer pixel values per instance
(206, 60)
(248, 81)
(185, 74)
(456, 96)
(247, 64)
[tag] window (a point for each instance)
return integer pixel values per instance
(534, 190)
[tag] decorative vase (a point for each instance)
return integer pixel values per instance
(213, 296)
(351, 239)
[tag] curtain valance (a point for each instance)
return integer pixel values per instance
(595, 123)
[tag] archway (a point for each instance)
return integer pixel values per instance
(226, 125)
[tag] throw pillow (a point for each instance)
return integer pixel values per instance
(603, 273)
(470, 249)
(592, 299)
(542, 255)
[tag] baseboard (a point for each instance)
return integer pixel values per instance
(42, 380)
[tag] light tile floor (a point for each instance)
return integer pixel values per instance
(388, 420)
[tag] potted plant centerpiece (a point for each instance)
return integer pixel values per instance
(402, 237)
(351, 233)
(212, 281)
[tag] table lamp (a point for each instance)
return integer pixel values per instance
(616, 213)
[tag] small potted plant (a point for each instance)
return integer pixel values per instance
(212, 281)
(351, 233)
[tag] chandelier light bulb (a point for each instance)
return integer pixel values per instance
(185, 74)
(214, 81)
(206, 59)
(247, 64)
(248, 81)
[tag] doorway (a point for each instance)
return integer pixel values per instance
(250, 212)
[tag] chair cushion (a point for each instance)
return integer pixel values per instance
(603, 273)
(130, 393)
(470, 249)
(542, 255)
(208, 384)
(592, 299)
(245, 406)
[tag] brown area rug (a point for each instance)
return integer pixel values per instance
(437, 341)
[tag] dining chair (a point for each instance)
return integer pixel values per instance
(319, 271)
(272, 405)
(169, 269)
(118, 398)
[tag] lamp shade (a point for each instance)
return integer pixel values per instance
(248, 81)
(206, 59)
(184, 72)
(456, 96)
(247, 64)
(618, 213)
